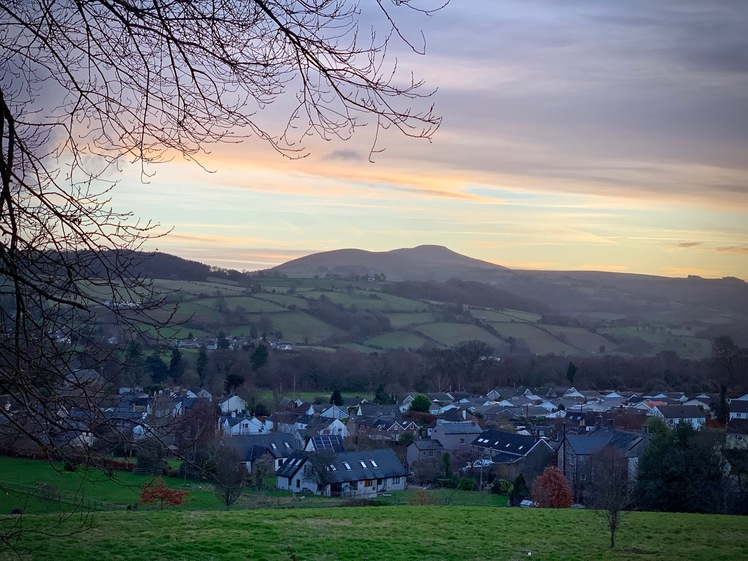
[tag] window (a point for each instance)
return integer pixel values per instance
(395, 480)
(298, 483)
(462, 440)
(333, 468)
(373, 463)
(363, 463)
(369, 483)
(347, 465)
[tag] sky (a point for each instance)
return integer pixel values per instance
(576, 135)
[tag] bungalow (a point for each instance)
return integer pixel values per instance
(351, 474)
(674, 414)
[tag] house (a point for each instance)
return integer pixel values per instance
(361, 474)
(199, 393)
(233, 425)
(325, 443)
(674, 414)
(251, 448)
(334, 412)
(455, 435)
(425, 450)
(576, 451)
(233, 404)
(738, 409)
(512, 454)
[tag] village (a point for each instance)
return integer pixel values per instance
(359, 448)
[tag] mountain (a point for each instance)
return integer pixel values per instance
(422, 263)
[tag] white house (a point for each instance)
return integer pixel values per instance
(738, 409)
(350, 474)
(233, 404)
(237, 426)
(674, 414)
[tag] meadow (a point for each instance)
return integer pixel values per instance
(386, 533)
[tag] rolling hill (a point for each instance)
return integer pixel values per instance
(425, 262)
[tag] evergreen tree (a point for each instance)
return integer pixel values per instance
(336, 398)
(520, 491)
(176, 365)
(201, 364)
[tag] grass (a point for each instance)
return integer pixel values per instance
(396, 340)
(399, 320)
(538, 340)
(449, 334)
(383, 533)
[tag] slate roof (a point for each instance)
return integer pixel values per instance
(357, 466)
(252, 446)
(506, 442)
(448, 427)
(681, 411)
(376, 410)
(592, 442)
(346, 466)
(427, 444)
(738, 406)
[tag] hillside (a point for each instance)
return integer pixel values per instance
(539, 312)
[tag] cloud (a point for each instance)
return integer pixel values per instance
(345, 155)
(688, 244)
(737, 249)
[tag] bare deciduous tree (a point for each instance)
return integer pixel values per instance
(87, 85)
(612, 491)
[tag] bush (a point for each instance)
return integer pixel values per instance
(419, 497)
(502, 487)
(17, 511)
(466, 484)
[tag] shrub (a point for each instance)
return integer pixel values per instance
(419, 497)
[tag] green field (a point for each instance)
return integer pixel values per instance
(396, 340)
(405, 319)
(687, 346)
(449, 334)
(407, 533)
(506, 315)
(364, 300)
(285, 302)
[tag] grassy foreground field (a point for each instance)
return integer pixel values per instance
(385, 533)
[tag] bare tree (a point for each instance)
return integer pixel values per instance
(230, 475)
(86, 85)
(612, 491)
